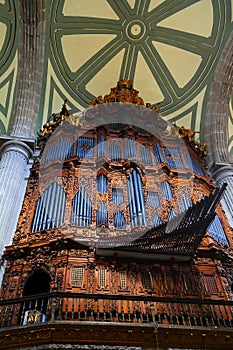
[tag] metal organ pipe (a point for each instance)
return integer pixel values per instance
(132, 202)
(56, 208)
(36, 217)
(119, 220)
(101, 147)
(59, 207)
(43, 203)
(136, 200)
(158, 154)
(62, 207)
(52, 206)
(137, 196)
(139, 182)
(47, 202)
(102, 215)
(81, 209)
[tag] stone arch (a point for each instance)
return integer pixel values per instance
(38, 282)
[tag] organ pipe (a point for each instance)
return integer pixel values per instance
(145, 155)
(101, 147)
(101, 183)
(158, 153)
(59, 151)
(119, 220)
(102, 215)
(136, 200)
(115, 152)
(217, 232)
(81, 209)
(50, 208)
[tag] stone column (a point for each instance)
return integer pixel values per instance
(224, 173)
(14, 171)
(219, 160)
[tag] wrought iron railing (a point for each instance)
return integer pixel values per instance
(65, 306)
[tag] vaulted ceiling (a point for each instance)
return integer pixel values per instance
(169, 49)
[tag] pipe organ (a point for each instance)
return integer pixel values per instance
(115, 209)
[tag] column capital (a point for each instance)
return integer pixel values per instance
(24, 146)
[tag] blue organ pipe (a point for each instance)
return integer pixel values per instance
(56, 206)
(132, 201)
(36, 217)
(51, 205)
(63, 207)
(39, 214)
(89, 212)
(59, 216)
(63, 149)
(137, 196)
(42, 204)
(139, 183)
(43, 213)
(81, 206)
(74, 210)
(58, 211)
(130, 205)
(78, 208)
(86, 210)
(47, 204)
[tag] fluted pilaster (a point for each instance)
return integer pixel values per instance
(217, 112)
(224, 173)
(14, 171)
(216, 122)
(30, 68)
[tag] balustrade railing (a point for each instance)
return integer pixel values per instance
(65, 306)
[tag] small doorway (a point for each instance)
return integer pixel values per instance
(34, 309)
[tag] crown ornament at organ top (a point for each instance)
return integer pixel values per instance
(122, 93)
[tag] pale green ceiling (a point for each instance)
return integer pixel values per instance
(168, 48)
(8, 60)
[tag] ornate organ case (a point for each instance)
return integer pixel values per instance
(100, 197)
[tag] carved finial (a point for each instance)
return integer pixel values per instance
(188, 135)
(54, 121)
(124, 92)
